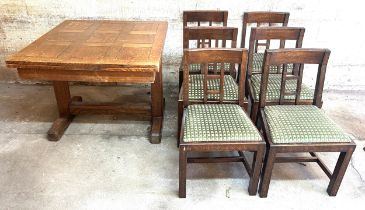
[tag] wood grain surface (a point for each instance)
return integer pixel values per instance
(96, 45)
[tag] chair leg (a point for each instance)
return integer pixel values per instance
(254, 110)
(180, 78)
(180, 110)
(234, 75)
(267, 171)
(259, 122)
(256, 169)
(247, 87)
(340, 169)
(238, 74)
(182, 172)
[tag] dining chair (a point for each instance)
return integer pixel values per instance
(254, 69)
(220, 37)
(258, 19)
(300, 128)
(204, 17)
(209, 37)
(261, 19)
(199, 18)
(212, 125)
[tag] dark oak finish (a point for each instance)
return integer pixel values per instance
(229, 58)
(205, 34)
(205, 56)
(219, 35)
(199, 17)
(97, 51)
(204, 18)
(77, 108)
(208, 37)
(215, 56)
(270, 33)
(273, 33)
(262, 18)
(301, 57)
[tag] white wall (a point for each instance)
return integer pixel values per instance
(337, 25)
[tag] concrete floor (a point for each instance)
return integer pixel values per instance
(107, 162)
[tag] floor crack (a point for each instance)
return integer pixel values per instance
(357, 171)
(228, 195)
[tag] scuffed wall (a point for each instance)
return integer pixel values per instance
(337, 25)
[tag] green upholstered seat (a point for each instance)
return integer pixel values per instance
(274, 87)
(258, 60)
(218, 122)
(196, 68)
(196, 91)
(302, 124)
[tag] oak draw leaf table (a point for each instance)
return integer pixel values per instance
(97, 51)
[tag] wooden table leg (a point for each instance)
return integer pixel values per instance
(157, 107)
(62, 93)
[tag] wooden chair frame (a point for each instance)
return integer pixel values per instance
(204, 35)
(257, 147)
(205, 16)
(201, 16)
(271, 33)
(300, 56)
(262, 18)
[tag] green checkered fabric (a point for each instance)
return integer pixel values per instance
(258, 60)
(274, 87)
(302, 124)
(218, 122)
(196, 68)
(196, 90)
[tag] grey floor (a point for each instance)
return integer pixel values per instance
(107, 162)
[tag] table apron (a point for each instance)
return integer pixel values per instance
(86, 75)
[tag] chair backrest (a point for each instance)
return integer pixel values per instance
(216, 56)
(204, 35)
(298, 56)
(262, 18)
(273, 33)
(205, 16)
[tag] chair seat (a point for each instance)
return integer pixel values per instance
(218, 122)
(258, 60)
(196, 68)
(293, 124)
(274, 87)
(196, 91)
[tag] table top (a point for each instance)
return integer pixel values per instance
(96, 45)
